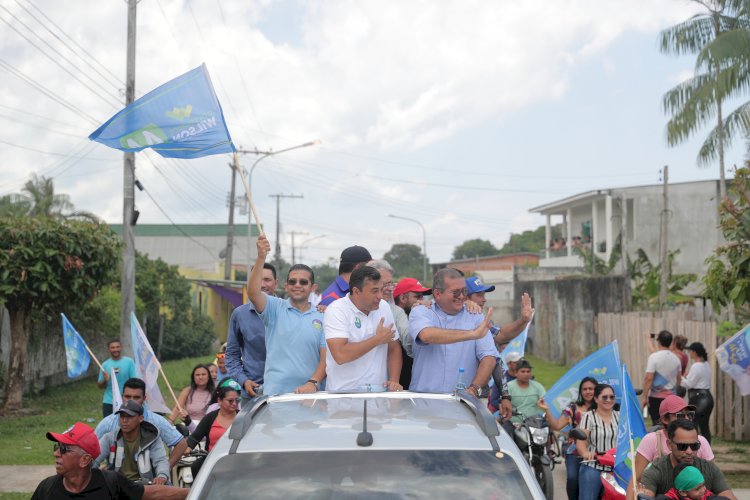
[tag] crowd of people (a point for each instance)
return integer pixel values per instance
(370, 334)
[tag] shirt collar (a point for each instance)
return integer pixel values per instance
(342, 284)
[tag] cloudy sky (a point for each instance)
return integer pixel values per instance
(461, 115)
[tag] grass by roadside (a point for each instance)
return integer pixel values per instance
(56, 409)
(15, 496)
(546, 373)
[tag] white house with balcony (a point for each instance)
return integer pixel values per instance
(598, 217)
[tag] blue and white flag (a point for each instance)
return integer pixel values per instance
(147, 367)
(116, 396)
(180, 119)
(734, 359)
(518, 344)
(630, 431)
(77, 356)
(603, 365)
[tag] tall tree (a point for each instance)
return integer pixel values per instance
(699, 100)
(38, 199)
(530, 241)
(406, 260)
(49, 265)
(474, 248)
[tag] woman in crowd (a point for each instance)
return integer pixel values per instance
(216, 423)
(678, 348)
(600, 424)
(572, 415)
(194, 399)
(698, 384)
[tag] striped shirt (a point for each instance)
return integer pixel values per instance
(602, 436)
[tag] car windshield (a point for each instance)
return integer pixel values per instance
(367, 474)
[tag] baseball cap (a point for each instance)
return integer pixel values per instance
(673, 404)
(79, 435)
(407, 285)
(475, 285)
(131, 407)
(355, 255)
(513, 357)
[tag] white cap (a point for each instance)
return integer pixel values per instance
(512, 357)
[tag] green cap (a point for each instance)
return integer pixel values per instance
(689, 478)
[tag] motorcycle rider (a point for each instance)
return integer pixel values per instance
(600, 425)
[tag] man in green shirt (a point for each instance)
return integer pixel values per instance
(524, 392)
(682, 440)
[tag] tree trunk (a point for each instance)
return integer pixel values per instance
(720, 137)
(20, 323)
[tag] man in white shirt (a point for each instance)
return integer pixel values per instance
(663, 375)
(363, 353)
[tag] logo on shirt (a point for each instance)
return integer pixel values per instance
(357, 323)
(317, 324)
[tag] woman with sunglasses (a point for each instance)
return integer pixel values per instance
(600, 424)
(216, 423)
(698, 384)
(654, 444)
(571, 415)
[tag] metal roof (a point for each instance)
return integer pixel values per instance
(181, 230)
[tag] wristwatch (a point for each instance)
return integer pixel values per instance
(314, 382)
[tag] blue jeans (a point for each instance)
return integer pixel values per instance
(572, 464)
(589, 483)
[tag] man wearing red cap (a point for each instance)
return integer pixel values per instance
(408, 293)
(74, 451)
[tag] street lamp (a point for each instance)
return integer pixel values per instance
(262, 155)
(302, 245)
(424, 243)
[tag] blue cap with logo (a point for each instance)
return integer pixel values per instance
(475, 285)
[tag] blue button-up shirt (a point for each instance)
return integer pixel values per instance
(246, 345)
(167, 432)
(336, 290)
(436, 366)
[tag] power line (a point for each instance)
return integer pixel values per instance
(45, 118)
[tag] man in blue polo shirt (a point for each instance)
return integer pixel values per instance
(295, 343)
(447, 338)
(351, 259)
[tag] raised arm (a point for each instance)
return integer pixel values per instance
(509, 331)
(254, 280)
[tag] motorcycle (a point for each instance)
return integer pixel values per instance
(182, 473)
(610, 489)
(538, 445)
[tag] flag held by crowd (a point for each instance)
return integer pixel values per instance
(630, 431)
(77, 356)
(734, 359)
(603, 365)
(147, 366)
(116, 396)
(518, 344)
(180, 119)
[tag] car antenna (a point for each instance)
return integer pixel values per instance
(364, 438)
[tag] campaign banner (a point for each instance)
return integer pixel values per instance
(630, 431)
(180, 119)
(77, 357)
(603, 365)
(734, 359)
(147, 367)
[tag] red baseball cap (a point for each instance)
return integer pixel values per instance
(407, 285)
(79, 435)
(673, 404)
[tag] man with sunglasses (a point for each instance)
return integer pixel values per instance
(447, 338)
(295, 343)
(74, 452)
(654, 444)
(683, 443)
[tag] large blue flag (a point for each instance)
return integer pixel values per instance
(147, 366)
(518, 344)
(631, 430)
(76, 354)
(180, 119)
(734, 359)
(603, 365)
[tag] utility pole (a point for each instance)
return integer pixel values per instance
(664, 243)
(235, 165)
(293, 247)
(127, 284)
(277, 251)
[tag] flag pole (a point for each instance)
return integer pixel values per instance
(177, 403)
(247, 195)
(632, 454)
(94, 358)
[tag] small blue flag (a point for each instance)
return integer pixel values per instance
(631, 427)
(734, 359)
(518, 344)
(77, 357)
(603, 365)
(180, 119)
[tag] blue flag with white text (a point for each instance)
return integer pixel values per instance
(603, 365)
(180, 119)
(734, 359)
(632, 427)
(77, 357)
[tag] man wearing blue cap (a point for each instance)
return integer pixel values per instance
(508, 331)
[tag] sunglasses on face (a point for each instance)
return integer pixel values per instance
(458, 293)
(607, 398)
(684, 446)
(689, 415)
(62, 448)
(292, 282)
(389, 284)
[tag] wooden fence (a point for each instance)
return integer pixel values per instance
(731, 416)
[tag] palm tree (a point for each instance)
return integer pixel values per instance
(719, 76)
(39, 200)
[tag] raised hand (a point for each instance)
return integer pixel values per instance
(526, 310)
(481, 330)
(263, 246)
